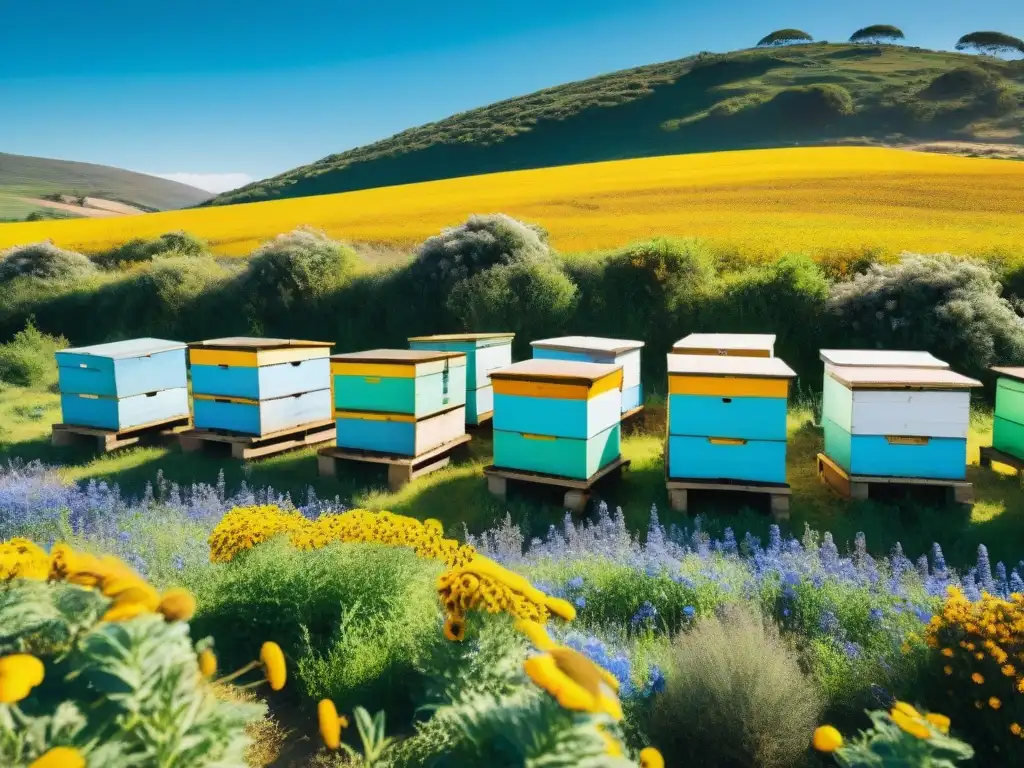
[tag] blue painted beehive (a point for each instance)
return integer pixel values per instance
(124, 384)
(399, 401)
(256, 386)
(557, 417)
(593, 349)
(484, 352)
(897, 422)
(727, 418)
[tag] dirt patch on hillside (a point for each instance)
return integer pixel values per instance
(95, 207)
(970, 149)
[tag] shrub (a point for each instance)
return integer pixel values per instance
(28, 359)
(947, 305)
(819, 101)
(462, 252)
(535, 299)
(735, 696)
(139, 249)
(43, 260)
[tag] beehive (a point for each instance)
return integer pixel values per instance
(123, 384)
(727, 417)
(399, 401)
(726, 344)
(557, 417)
(484, 352)
(593, 349)
(1008, 425)
(898, 422)
(257, 386)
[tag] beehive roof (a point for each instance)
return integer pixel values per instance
(556, 370)
(726, 341)
(1011, 372)
(901, 378)
(397, 356)
(589, 344)
(882, 358)
(463, 337)
(256, 343)
(733, 366)
(128, 348)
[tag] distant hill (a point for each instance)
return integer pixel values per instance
(24, 181)
(798, 95)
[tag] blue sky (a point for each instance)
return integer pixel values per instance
(220, 91)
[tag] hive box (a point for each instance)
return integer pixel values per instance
(593, 349)
(484, 352)
(726, 344)
(123, 384)
(398, 433)
(727, 418)
(1008, 425)
(898, 422)
(259, 386)
(557, 417)
(410, 381)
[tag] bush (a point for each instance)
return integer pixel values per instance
(818, 101)
(43, 260)
(735, 697)
(139, 249)
(462, 252)
(28, 359)
(533, 299)
(947, 305)
(352, 618)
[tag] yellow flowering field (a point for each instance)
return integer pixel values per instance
(762, 201)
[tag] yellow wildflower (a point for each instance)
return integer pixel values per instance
(455, 628)
(19, 674)
(60, 757)
(536, 634)
(207, 663)
(1015, 729)
(947, 652)
(978, 678)
(274, 667)
(331, 724)
(915, 726)
(575, 681)
(826, 739)
(124, 612)
(21, 558)
(612, 748)
(947, 669)
(1009, 670)
(941, 722)
(906, 709)
(177, 605)
(651, 758)
(994, 702)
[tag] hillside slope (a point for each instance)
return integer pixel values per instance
(755, 98)
(24, 178)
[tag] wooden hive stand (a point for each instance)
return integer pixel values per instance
(989, 455)
(679, 493)
(107, 440)
(859, 486)
(247, 447)
(402, 470)
(577, 492)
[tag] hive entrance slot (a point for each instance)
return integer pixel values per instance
(296, 363)
(726, 399)
(151, 394)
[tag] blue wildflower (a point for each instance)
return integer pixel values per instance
(645, 613)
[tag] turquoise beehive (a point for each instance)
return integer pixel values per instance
(557, 417)
(123, 384)
(594, 349)
(256, 386)
(484, 353)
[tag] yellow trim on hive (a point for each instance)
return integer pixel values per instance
(254, 359)
(388, 370)
(905, 440)
(722, 352)
(226, 399)
(367, 416)
(529, 436)
(727, 386)
(726, 441)
(557, 390)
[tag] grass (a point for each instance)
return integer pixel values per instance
(812, 200)
(458, 494)
(710, 102)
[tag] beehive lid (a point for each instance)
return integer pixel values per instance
(901, 378)
(715, 365)
(255, 344)
(128, 348)
(731, 341)
(397, 356)
(589, 344)
(881, 358)
(464, 337)
(556, 370)
(1011, 372)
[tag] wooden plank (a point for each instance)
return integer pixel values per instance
(107, 440)
(372, 457)
(859, 486)
(990, 454)
(833, 475)
(554, 480)
(246, 453)
(675, 484)
(218, 436)
(627, 415)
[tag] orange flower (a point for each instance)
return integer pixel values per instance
(177, 605)
(978, 678)
(994, 702)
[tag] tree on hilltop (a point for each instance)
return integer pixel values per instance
(877, 33)
(784, 37)
(992, 43)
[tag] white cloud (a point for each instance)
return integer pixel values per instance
(211, 182)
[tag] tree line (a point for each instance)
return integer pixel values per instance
(991, 43)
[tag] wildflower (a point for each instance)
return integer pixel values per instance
(826, 739)
(19, 674)
(536, 634)
(612, 748)
(177, 605)
(455, 629)
(124, 612)
(331, 724)
(651, 758)
(1015, 729)
(689, 612)
(947, 652)
(575, 681)
(947, 669)
(207, 663)
(59, 757)
(994, 702)
(978, 678)
(941, 722)
(915, 726)
(274, 667)
(1009, 670)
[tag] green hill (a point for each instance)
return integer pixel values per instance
(25, 179)
(818, 93)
